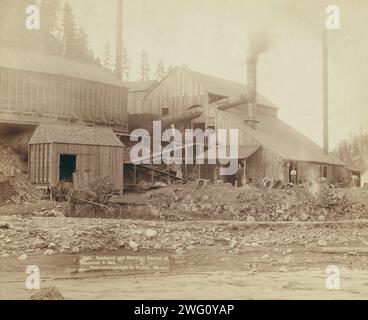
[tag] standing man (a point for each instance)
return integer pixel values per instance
(239, 176)
(293, 175)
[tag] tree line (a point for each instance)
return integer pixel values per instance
(66, 38)
(60, 34)
(354, 151)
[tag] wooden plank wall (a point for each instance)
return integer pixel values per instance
(97, 161)
(40, 163)
(45, 95)
(135, 102)
(178, 92)
(265, 163)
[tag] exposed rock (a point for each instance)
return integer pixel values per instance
(75, 250)
(322, 243)
(39, 244)
(23, 257)
(4, 225)
(52, 245)
(47, 294)
(49, 252)
(133, 245)
(251, 219)
(151, 233)
(287, 260)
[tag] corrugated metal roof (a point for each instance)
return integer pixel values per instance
(57, 65)
(281, 138)
(140, 85)
(71, 134)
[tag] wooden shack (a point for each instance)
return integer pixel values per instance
(64, 153)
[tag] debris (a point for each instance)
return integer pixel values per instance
(49, 252)
(287, 260)
(322, 243)
(150, 233)
(133, 245)
(251, 219)
(40, 244)
(4, 225)
(23, 257)
(51, 293)
(75, 250)
(283, 269)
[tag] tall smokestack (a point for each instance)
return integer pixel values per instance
(325, 91)
(119, 39)
(252, 60)
(252, 85)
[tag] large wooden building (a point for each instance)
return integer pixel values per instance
(38, 88)
(277, 147)
(65, 153)
(137, 92)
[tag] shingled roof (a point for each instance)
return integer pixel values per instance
(35, 61)
(70, 134)
(281, 138)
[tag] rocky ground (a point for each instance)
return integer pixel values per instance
(224, 202)
(211, 236)
(246, 259)
(21, 237)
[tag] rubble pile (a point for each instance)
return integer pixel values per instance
(48, 236)
(14, 186)
(222, 201)
(10, 162)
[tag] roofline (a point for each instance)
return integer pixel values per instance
(250, 132)
(86, 64)
(67, 77)
(79, 144)
(316, 162)
(154, 86)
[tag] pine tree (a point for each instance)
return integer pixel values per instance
(49, 10)
(160, 71)
(12, 29)
(82, 47)
(125, 68)
(75, 40)
(108, 62)
(69, 32)
(169, 69)
(145, 68)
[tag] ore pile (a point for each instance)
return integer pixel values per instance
(222, 201)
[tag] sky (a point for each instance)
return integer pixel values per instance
(211, 36)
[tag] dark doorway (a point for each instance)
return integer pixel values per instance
(324, 171)
(293, 172)
(67, 167)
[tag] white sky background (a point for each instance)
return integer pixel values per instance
(210, 36)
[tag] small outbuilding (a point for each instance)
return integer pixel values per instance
(68, 153)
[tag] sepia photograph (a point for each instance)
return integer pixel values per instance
(183, 150)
